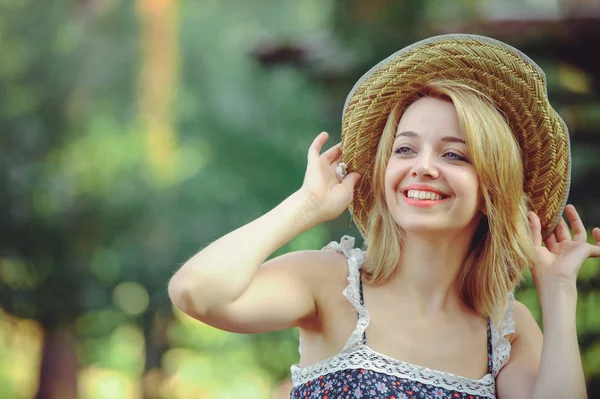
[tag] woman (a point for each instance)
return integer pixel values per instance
(459, 172)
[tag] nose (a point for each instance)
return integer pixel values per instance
(425, 166)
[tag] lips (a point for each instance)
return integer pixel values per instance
(424, 188)
(424, 195)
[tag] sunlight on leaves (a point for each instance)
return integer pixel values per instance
(97, 161)
(573, 79)
(20, 274)
(190, 159)
(100, 383)
(126, 351)
(131, 297)
(20, 351)
(99, 322)
(192, 333)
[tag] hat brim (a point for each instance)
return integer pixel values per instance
(514, 82)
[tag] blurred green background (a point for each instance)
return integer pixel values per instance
(133, 133)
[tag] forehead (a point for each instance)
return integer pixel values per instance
(431, 116)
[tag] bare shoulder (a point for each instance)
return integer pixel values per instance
(284, 293)
(517, 378)
(315, 267)
(525, 324)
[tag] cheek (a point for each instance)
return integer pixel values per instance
(469, 182)
(391, 179)
(470, 186)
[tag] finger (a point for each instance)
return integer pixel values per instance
(317, 144)
(562, 231)
(351, 180)
(333, 153)
(551, 242)
(336, 161)
(579, 233)
(596, 235)
(578, 254)
(536, 228)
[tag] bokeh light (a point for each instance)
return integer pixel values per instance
(131, 297)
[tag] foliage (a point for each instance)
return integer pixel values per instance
(102, 198)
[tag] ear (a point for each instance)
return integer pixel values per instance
(483, 206)
(482, 203)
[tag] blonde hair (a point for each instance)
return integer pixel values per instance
(501, 249)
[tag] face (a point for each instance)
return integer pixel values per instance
(430, 184)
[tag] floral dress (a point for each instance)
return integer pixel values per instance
(360, 372)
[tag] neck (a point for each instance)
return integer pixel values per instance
(427, 272)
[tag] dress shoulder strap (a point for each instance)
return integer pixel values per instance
(501, 344)
(353, 291)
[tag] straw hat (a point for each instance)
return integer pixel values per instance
(509, 77)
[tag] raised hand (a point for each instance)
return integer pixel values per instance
(561, 258)
(329, 196)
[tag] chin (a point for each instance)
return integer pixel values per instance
(429, 230)
(433, 226)
(439, 230)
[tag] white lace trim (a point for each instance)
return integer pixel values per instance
(356, 355)
(363, 357)
(352, 291)
(501, 344)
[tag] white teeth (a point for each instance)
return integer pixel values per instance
(422, 195)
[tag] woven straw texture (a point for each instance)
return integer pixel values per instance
(509, 77)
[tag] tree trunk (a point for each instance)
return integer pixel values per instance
(156, 325)
(158, 81)
(59, 366)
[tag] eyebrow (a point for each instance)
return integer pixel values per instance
(446, 139)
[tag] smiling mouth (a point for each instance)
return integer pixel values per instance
(424, 195)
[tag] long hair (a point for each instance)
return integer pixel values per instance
(502, 248)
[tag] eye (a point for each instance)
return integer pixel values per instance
(453, 156)
(403, 150)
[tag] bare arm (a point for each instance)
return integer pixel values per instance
(224, 284)
(561, 372)
(553, 370)
(281, 294)
(546, 366)
(219, 274)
